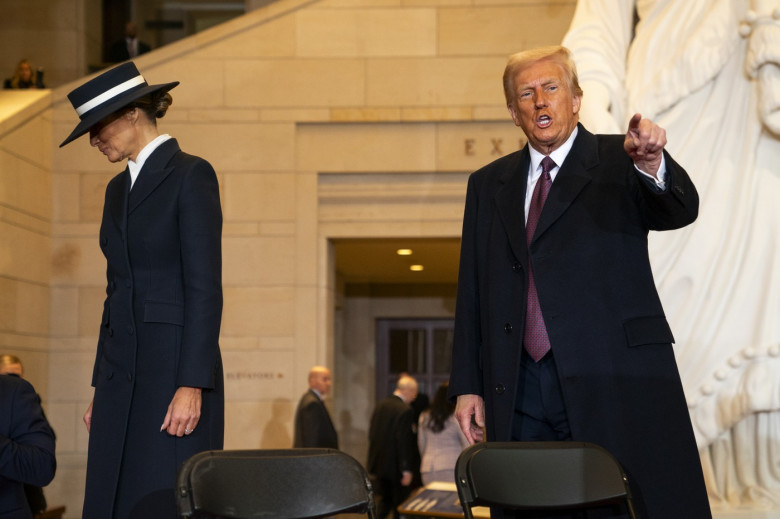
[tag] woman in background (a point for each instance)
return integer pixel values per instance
(24, 77)
(440, 439)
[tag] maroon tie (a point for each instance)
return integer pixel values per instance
(535, 338)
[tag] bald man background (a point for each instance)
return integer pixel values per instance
(392, 447)
(313, 426)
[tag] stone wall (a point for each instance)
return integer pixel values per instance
(25, 229)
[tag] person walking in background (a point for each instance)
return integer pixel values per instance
(159, 396)
(24, 77)
(27, 451)
(559, 330)
(440, 439)
(420, 403)
(391, 444)
(313, 426)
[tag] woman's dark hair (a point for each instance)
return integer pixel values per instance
(441, 409)
(154, 105)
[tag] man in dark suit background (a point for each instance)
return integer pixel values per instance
(313, 426)
(128, 47)
(26, 446)
(391, 446)
(559, 330)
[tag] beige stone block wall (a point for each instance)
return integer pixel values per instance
(494, 28)
(25, 232)
(323, 120)
(359, 31)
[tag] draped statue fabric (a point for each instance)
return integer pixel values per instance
(708, 71)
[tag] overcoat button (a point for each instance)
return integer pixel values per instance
(112, 285)
(109, 375)
(103, 241)
(500, 388)
(130, 330)
(516, 267)
(507, 328)
(129, 377)
(110, 332)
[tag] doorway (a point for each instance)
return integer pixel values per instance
(420, 347)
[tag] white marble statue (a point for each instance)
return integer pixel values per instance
(708, 71)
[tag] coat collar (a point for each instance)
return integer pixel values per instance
(116, 198)
(153, 172)
(572, 177)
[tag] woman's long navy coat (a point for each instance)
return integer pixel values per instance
(160, 330)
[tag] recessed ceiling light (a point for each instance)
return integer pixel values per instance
(416, 268)
(404, 252)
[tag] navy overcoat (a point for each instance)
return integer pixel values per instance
(608, 331)
(160, 330)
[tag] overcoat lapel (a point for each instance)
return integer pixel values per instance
(117, 200)
(153, 172)
(510, 203)
(572, 177)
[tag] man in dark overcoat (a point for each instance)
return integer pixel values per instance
(313, 425)
(559, 331)
(391, 446)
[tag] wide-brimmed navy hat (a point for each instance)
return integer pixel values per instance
(102, 96)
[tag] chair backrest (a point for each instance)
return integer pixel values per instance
(273, 484)
(540, 475)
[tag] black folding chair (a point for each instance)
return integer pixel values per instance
(273, 484)
(540, 476)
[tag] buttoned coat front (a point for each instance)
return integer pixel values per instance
(607, 328)
(160, 330)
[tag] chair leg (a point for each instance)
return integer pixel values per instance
(630, 506)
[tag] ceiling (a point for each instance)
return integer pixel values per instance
(375, 260)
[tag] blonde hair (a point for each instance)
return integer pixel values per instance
(555, 53)
(17, 77)
(8, 360)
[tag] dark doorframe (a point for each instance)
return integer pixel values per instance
(420, 347)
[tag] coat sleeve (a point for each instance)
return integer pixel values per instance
(405, 441)
(310, 417)
(200, 228)
(466, 373)
(673, 208)
(27, 452)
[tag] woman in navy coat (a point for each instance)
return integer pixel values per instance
(158, 373)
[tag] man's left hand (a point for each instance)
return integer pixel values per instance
(645, 143)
